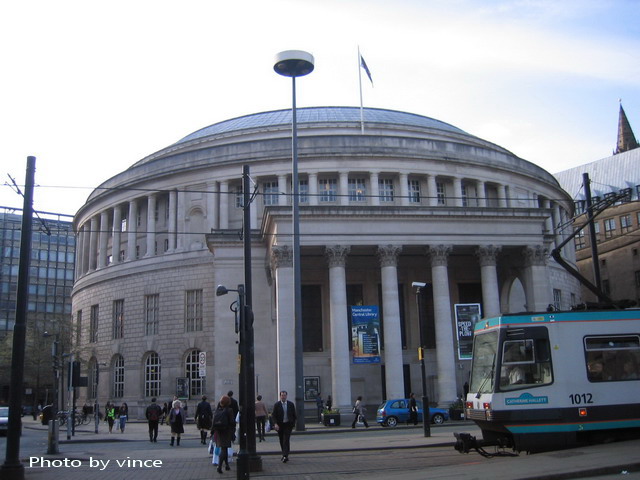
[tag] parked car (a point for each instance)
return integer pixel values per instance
(392, 412)
(4, 420)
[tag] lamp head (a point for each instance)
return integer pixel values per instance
(221, 290)
(419, 284)
(293, 63)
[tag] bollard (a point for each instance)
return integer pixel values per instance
(53, 437)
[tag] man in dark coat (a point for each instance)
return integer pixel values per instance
(284, 416)
(234, 404)
(153, 414)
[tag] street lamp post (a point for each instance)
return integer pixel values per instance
(52, 447)
(426, 418)
(296, 63)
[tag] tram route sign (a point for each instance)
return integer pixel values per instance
(467, 315)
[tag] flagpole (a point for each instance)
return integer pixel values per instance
(360, 83)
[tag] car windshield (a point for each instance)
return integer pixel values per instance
(4, 411)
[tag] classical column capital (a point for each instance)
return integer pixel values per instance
(281, 256)
(487, 254)
(336, 255)
(535, 255)
(388, 255)
(439, 254)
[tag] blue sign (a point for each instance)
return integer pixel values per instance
(365, 334)
(526, 399)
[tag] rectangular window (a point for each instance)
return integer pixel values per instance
(312, 314)
(152, 376)
(609, 227)
(465, 199)
(414, 191)
(239, 197)
(606, 287)
(625, 223)
(637, 275)
(386, 189)
(526, 362)
(78, 326)
(93, 324)
(557, 298)
(118, 377)
(270, 191)
(118, 319)
(441, 193)
(303, 191)
(151, 317)
(193, 311)
(123, 225)
(357, 192)
(612, 358)
(579, 207)
(328, 189)
(580, 241)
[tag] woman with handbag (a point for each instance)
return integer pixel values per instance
(224, 426)
(358, 411)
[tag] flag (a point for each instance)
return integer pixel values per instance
(363, 64)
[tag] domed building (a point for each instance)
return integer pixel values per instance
(409, 199)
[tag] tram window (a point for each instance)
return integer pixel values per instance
(612, 358)
(525, 363)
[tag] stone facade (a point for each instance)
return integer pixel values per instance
(411, 199)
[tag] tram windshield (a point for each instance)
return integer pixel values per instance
(485, 347)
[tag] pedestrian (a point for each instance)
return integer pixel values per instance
(110, 414)
(203, 417)
(234, 404)
(123, 414)
(261, 417)
(413, 410)
(153, 414)
(224, 425)
(284, 417)
(319, 406)
(165, 412)
(176, 420)
(329, 402)
(358, 410)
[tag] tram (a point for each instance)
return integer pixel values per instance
(545, 381)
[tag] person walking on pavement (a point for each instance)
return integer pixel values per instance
(176, 420)
(261, 417)
(203, 417)
(284, 417)
(165, 412)
(358, 410)
(234, 404)
(413, 410)
(110, 414)
(224, 425)
(123, 414)
(153, 414)
(319, 407)
(329, 402)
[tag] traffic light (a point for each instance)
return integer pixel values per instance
(420, 353)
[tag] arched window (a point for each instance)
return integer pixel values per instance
(152, 375)
(117, 387)
(191, 371)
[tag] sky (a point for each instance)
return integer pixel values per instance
(90, 87)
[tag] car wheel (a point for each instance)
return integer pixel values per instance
(438, 419)
(392, 422)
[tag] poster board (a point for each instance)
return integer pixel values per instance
(467, 315)
(365, 333)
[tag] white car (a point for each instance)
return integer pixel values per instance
(4, 420)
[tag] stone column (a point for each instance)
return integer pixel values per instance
(182, 239)
(132, 230)
(93, 242)
(86, 246)
(173, 214)
(481, 194)
(557, 221)
(336, 256)
(445, 352)
(117, 234)
(80, 253)
(537, 289)
(283, 188)
(457, 191)
(432, 191)
(151, 225)
(375, 188)
(282, 266)
(487, 255)
(313, 188)
(502, 196)
(103, 239)
(548, 222)
(343, 188)
(212, 206)
(224, 205)
(404, 189)
(388, 256)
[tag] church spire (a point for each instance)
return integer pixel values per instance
(626, 139)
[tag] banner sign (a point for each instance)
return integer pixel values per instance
(467, 315)
(365, 334)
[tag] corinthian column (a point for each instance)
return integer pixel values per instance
(282, 266)
(536, 288)
(388, 256)
(336, 256)
(487, 255)
(103, 239)
(445, 354)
